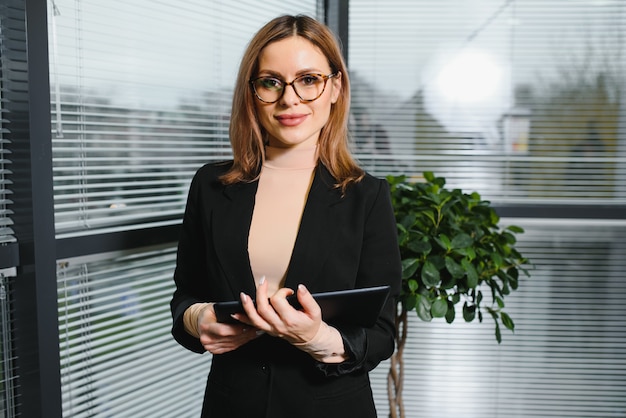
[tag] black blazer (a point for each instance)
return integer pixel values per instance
(344, 242)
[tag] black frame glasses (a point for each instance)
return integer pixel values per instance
(281, 86)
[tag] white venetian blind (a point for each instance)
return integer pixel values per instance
(7, 76)
(567, 355)
(140, 96)
(117, 356)
(522, 100)
(12, 76)
(6, 231)
(8, 370)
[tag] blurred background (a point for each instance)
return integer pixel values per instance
(108, 108)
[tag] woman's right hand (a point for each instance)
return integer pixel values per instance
(219, 338)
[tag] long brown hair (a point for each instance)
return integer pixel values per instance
(246, 134)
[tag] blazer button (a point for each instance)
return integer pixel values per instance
(264, 368)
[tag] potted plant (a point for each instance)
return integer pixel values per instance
(452, 250)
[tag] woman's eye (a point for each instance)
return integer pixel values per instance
(270, 83)
(309, 80)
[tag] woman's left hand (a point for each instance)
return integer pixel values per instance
(275, 316)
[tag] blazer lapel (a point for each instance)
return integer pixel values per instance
(231, 226)
(317, 231)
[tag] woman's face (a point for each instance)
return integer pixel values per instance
(291, 122)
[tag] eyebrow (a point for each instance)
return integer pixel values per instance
(276, 74)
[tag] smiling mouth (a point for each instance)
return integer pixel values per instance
(291, 120)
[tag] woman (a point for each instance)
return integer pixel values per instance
(291, 211)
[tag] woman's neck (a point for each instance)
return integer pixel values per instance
(291, 158)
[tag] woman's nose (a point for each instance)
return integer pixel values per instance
(289, 96)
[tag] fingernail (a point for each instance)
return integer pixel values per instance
(302, 288)
(262, 280)
(259, 333)
(244, 297)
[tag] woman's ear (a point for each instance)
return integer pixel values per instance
(336, 83)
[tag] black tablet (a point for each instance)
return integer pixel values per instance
(355, 306)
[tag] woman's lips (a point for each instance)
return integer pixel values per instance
(291, 120)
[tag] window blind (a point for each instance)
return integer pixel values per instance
(566, 356)
(522, 101)
(8, 74)
(8, 371)
(6, 231)
(117, 355)
(140, 95)
(12, 64)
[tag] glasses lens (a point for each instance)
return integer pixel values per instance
(309, 86)
(268, 89)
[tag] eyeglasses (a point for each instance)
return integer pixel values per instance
(308, 87)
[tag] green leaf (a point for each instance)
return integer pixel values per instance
(423, 308)
(444, 242)
(515, 229)
(421, 246)
(410, 302)
(438, 261)
(509, 238)
(450, 315)
(497, 259)
(430, 215)
(505, 282)
(493, 216)
(409, 267)
(430, 274)
(439, 181)
(461, 240)
(513, 274)
(469, 312)
(468, 252)
(403, 235)
(498, 334)
(408, 221)
(470, 271)
(448, 282)
(429, 176)
(413, 285)
(454, 268)
(507, 321)
(439, 308)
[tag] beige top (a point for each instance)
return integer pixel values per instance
(284, 184)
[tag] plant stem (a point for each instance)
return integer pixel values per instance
(395, 377)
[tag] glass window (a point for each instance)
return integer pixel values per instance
(522, 101)
(117, 355)
(140, 97)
